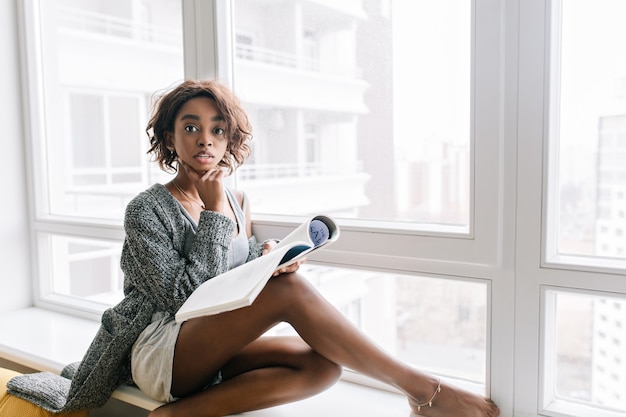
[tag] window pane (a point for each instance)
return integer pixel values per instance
(101, 62)
(85, 268)
(90, 152)
(592, 129)
(589, 350)
(438, 325)
(359, 109)
(123, 120)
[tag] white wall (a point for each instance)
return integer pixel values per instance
(15, 277)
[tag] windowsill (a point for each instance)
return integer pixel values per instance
(43, 340)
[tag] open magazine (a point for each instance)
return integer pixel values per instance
(240, 286)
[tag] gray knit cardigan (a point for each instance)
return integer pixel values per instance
(157, 277)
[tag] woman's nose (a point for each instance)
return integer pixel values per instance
(205, 140)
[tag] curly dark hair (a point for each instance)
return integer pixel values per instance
(167, 106)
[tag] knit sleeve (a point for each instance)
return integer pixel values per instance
(254, 248)
(152, 259)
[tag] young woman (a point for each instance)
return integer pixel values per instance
(189, 230)
(220, 365)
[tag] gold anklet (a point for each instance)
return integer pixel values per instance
(430, 402)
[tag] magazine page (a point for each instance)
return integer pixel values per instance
(239, 286)
(233, 289)
(316, 232)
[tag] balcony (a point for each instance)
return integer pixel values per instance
(303, 189)
(276, 78)
(80, 20)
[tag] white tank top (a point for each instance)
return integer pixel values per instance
(238, 253)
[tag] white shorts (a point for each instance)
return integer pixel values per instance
(152, 357)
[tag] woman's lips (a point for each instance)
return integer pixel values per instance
(204, 157)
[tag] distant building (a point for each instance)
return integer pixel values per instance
(609, 361)
(609, 324)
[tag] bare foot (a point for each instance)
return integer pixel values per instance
(454, 402)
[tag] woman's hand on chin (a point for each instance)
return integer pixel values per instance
(209, 185)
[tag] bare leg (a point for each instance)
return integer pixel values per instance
(269, 371)
(208, 344)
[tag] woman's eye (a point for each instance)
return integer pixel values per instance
(191, 128)
(218, 131)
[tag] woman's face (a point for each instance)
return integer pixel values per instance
(199, 136)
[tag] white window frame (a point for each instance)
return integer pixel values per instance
(552, 258)
(208, 54)
(539, 270)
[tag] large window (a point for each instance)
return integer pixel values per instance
(571, 267)
(587, 210)
(471, 151)
(589, 132)
(356, 113)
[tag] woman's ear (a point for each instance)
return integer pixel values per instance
(169, 142)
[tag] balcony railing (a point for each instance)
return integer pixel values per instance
(111, 26)
(274, 171)
(116, 27)
(273, 57)
(246, 52)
